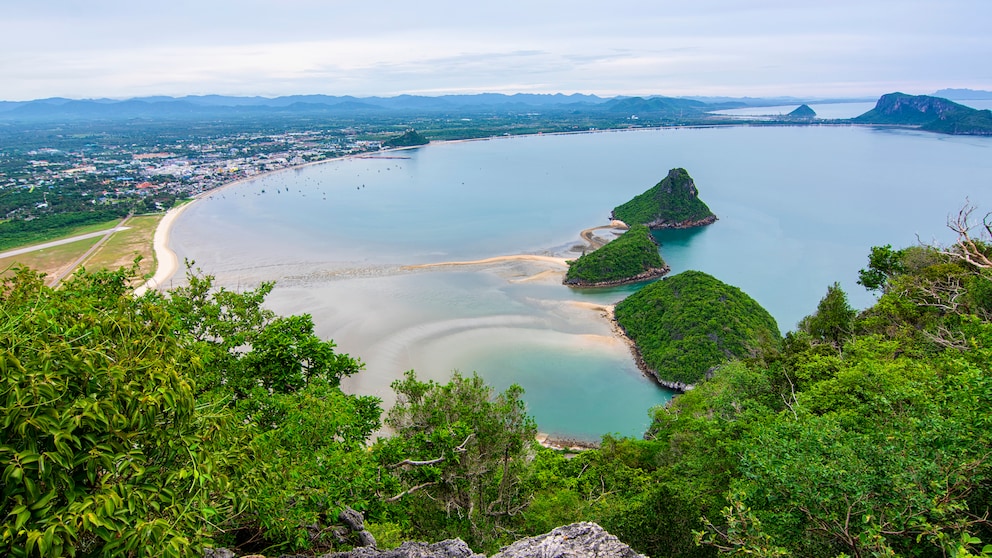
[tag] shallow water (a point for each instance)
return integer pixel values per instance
(799, 208)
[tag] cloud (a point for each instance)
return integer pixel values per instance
(761, 47)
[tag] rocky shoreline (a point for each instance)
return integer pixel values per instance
(643, 366)
(652, 273)
(687, 224)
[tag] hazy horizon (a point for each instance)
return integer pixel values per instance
(763, 48)
(555, 93)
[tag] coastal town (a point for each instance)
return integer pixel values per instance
(152, 175)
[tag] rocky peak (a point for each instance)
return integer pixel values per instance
(678, 179)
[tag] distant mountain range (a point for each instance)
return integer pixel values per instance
(193, 106)
(932, 113)
(219, 104)
(964, 94)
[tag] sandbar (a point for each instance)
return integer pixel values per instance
(495, 259)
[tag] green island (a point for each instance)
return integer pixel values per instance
(633, 256)
(672, 203)
(687, 325)
(194, 419)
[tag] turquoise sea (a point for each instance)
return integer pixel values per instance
(799, 209)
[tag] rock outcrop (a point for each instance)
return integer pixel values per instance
(933, 114)
(900, 108)
(578, 540)
(451, 548)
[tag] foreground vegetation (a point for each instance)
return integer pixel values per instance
(160, 424)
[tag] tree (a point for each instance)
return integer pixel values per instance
(245, 345)
(462, 446)
(305, 455)
(307, 461)
(104, 451)
(833, 319)
(883, 263)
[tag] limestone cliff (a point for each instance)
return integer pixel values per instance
(933, 114)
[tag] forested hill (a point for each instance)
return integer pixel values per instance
(410, 138)
(687, 325)
(633, 256)
(672, 203)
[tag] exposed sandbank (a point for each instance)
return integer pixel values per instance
(496, 259)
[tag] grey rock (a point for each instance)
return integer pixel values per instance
(356, 522)
(578, 540)
(218, 553)
(451, 548)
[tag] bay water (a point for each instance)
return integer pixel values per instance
(799, 208)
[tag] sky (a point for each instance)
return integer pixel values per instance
(823, 49)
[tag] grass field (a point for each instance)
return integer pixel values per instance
(123, 247)
(119, 250)
(50, 261)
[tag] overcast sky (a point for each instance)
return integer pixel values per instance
(127, 48)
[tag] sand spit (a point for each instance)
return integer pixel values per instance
(494, 260)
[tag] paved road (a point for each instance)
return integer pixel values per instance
(20, 251)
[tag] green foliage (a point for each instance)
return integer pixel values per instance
(883, 262)
(111, 447)
(304, 457)
(161, 424)
(308, 461)
(245, 345)
(882, 448)
(458, 454)
(833, 319)
(103, 447)
(672, 202)
(878, 459)
(410, 138)
(686, 325)
(631, 254)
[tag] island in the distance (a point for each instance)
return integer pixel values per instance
(933, 114)
(803, 113)
(672, 203)
(631, 257)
